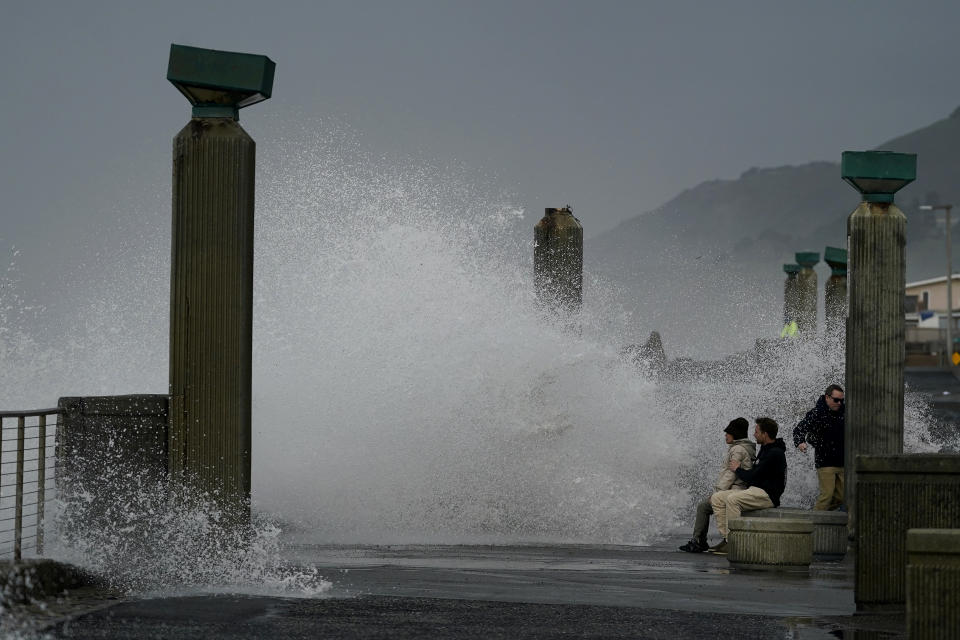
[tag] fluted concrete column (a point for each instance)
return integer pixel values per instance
(558, 261)
(211, 289)
(790, 293)
(835, 291)
(807, 294)
(875, 335)
(875, 324)
(211, 308)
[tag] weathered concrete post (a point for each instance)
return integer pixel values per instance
(933, 584)
(558, 261)
(211, 290)
(875, 325)
(807, 293)
(790, 292)
(835, 293)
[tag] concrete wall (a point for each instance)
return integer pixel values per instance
(897, 493)
(933, 584)
(110, 445)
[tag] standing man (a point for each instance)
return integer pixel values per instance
(765, 481)
(739, 448)
(822, 428)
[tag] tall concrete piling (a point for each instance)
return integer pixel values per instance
(875, 325)
(807, 293)
(835, 291)
(558, 261)
(211, 292)
(790, 292)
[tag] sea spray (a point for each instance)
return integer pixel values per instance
(155, 538)
(406, 388)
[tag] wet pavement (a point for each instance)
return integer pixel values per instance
(521, 591)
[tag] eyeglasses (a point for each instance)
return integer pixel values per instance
(837, 400)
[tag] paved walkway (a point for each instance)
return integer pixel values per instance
(545, 591)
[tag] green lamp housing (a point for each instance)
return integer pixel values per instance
(807, 258)
(878, 174)
(219, 83)
(791, 268)
(837, 259)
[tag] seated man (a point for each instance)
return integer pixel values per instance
(765, 481)
(739, 448)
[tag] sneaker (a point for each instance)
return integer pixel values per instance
(694, 546)
(719, 549)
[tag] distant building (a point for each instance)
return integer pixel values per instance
(925, 312)
(926, 302)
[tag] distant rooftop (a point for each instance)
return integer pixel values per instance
(920, 283)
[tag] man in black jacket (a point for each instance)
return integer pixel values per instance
(822, 428)
(765, 481)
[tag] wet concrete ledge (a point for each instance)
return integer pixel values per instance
(39, 579)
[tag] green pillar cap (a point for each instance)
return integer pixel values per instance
(878, 174)
(219, 83)
(807, 258)
(791, 269)
(837, 259)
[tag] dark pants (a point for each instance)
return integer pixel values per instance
(702, 523)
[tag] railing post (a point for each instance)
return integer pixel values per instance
(18, 515)
(41, 480)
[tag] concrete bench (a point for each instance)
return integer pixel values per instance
(770, 544)
(829, 528)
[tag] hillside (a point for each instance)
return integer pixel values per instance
(705, 268)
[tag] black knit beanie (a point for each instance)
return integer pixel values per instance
(738, 428)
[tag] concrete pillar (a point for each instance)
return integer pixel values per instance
(933, 584)
(875, 325)
(211, 307)
(211, 291)
(835, 294)
(790, 292)
(807, 294)
(558, 261)
(897, 493)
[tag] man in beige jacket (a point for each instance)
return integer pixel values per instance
(766, 480)
(740, 449)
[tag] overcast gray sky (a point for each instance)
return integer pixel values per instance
(612, 107)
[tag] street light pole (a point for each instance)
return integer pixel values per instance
(946, 208)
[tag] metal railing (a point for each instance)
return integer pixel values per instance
(27, 465)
